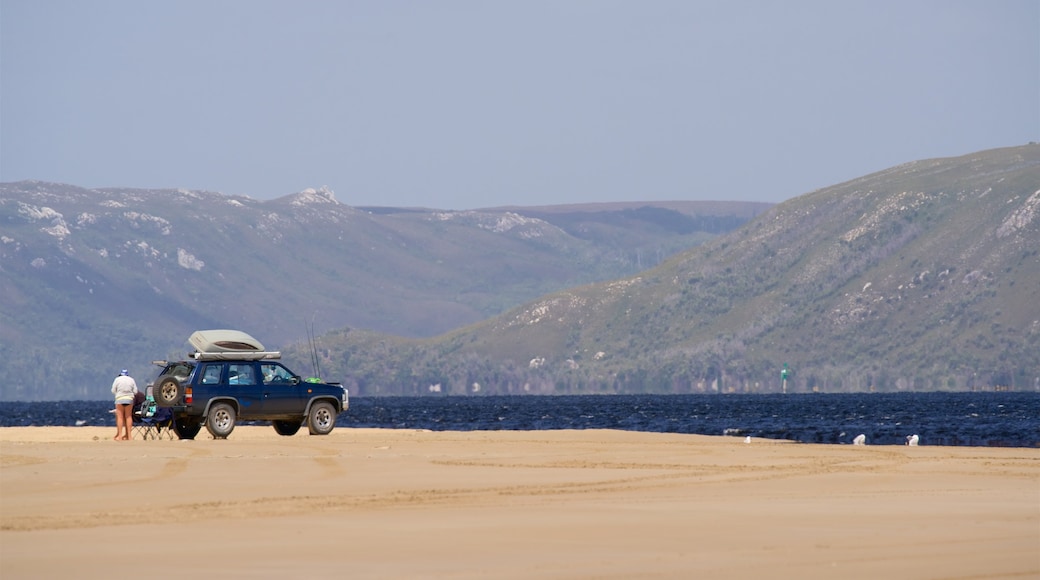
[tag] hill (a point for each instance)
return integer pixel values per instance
(921, 277)
(94, 280)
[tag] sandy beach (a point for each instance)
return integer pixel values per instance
(377, 503)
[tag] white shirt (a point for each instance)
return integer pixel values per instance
(124, 388)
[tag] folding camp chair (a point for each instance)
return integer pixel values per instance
(152, 422)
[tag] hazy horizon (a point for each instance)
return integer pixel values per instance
(464, 104)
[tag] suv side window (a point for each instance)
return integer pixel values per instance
(241, 374)
(211, 374)
(181, 370)
(275, 374)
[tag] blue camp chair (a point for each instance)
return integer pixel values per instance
(151, 421)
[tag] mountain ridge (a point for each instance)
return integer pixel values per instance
(923, 276)
(96, 279)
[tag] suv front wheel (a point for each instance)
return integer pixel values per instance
(221, 420)
(321, 419)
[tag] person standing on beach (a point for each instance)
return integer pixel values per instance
(124, 388)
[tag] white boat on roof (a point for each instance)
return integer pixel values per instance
(222, 344)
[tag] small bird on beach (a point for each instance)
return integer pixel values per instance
(912, 440)
(860, 439)
(747, 439)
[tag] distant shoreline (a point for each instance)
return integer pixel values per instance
(946, 419)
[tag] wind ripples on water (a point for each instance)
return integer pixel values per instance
(1006, 419)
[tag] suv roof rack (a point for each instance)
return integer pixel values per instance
(236, 355)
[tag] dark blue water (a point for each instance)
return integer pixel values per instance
(975, 419)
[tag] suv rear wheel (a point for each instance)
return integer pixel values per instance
(286, 428)
(186, 428)
(321, 419)
(221, 420)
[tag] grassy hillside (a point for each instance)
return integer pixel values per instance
(921, 277)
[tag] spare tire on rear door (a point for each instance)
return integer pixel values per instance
(167, 391)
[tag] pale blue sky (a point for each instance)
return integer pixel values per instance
(464, 104)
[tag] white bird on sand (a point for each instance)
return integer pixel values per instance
(747, 439)
(860, 439)
(912, 440)
(81, 422)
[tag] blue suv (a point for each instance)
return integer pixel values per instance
(230, 377)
